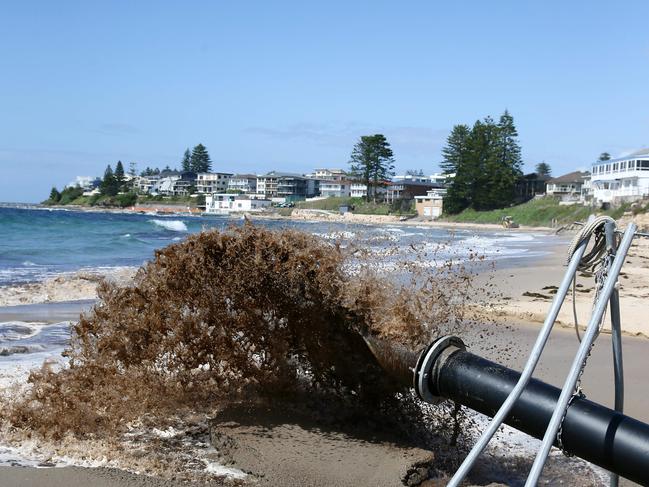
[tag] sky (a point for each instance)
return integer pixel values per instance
(291, 86)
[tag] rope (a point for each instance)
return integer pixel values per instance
(593, 261)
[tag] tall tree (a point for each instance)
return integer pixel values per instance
(186, 163)
(119, 173)
(604, 156)
(372, 161)
(486, 161)
(457, 161)
(109, 185)
(200, 159)
(132, 169)
(55, 196)
(543, 169)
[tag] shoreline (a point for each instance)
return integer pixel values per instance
(323, 216)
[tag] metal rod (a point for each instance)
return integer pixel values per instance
(528, 370)
(616, 338)
(591, 431)
(582, 353)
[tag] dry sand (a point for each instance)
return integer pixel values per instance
(527, 292)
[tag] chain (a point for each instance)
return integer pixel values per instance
(600, 277)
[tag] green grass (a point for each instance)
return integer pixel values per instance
(360, 206)
(538, 212)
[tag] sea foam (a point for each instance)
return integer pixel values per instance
(173, 225)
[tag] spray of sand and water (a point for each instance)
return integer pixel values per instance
(234, 317)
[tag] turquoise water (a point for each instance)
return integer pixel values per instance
(41, 243)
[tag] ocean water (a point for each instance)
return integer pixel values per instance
(40, 243)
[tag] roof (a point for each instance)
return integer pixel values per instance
(641, 152)
(279, 174)
(571, 177)
(416, 183)
(244, 176)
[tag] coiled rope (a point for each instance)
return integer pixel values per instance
(595, 262)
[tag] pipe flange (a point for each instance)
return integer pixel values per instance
(424, 369)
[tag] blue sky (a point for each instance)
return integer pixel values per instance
(292, 85)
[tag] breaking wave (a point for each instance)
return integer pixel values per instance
(172, 225)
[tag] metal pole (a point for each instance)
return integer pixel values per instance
(616, 338)
(527, 372)
(582, 354)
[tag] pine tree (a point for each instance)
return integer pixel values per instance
(109, 185)
(132, 169)
(372, 161)
(543, 169)
(55, 196)
(186, 163)
(456, 161)
(200, 160)
(119, 174)
(487, 163)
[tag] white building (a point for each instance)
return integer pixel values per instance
(359, 190)
(329, 174)
(339, 189)
(243, 183)
(223, 203)
(621, 179)
(83, 182)
(212, 182)
(569, 188)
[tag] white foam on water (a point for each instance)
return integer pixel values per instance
(172, 225)
(223, 471)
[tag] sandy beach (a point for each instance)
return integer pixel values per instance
(280, 448)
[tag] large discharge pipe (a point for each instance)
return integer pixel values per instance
(600, 435)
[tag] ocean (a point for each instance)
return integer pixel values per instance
(38, 243)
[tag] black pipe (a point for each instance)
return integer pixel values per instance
(607, 438)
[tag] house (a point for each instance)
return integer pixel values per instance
(431, 205)
(530, 185)
(87, 183)
(359, 190)
(174, 183)
(340, 188)
(622, 179)
(212, 182)
(290, 186)
(243, 183)
(223, 203)
(407, 190)
(568, 188)
(328, 174)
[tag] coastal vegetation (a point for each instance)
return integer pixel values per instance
(486, 161)
(538, 212)
(372, 162)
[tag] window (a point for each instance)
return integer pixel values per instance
(631, 165)
(643, 165)
(615, 167)
(623, 166)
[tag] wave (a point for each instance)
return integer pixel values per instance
(172, 225)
